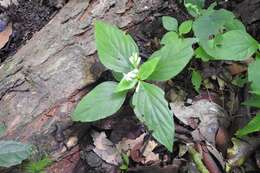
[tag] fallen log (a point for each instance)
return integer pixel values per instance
(42, 82)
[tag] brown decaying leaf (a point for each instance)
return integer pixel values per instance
(207, 158)
(222, 140)
(236, 68)
(126, 145)
(5, 35)
(105, 149)
(143, 153)
(149, 155)
(209, 114)
(136, 154)
(241, 150)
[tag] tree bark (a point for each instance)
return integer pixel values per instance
(41, 84)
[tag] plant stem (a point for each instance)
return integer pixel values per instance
(197, 159)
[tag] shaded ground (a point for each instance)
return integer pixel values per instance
(27, 18)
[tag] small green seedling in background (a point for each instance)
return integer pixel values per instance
(223, 37)
(185, 27)
(170, 23)
(125, 164)
(39, 166)
(196, 79)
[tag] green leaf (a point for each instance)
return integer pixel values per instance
(254, 76)
(196, 79)
(194, 7)
(118, 76)
(169, 37)
(149, 102)
(239, 81)
(233, 45)
(100, 103)
(39, 166)
(128, 82)
(201, 54)
(173, 58)
(211, 23)
(235, 24)
(170, 23)
(125, 164)
(114, 47)
(125, 85)
(252, 126)
(185, 27)
(148, 68)
(253, 101)
(198, 3)
(13, 153)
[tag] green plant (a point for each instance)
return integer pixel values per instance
(125, 164)
(196, 80)
(252, 126)
(39, 166)
(218, 35)
(118, 52)
(223, 37)
(13, 153)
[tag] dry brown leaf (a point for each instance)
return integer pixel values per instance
(216, 154)
(241, 150)
(142, 152)
(211, 116)
(5, 35)
(105, 149)
(149, 155)
(126, 145)
(236, 68)
(135, 153)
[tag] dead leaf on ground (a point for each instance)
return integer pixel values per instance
(217, 155)
(105, 149)
(236, 68)
(140, 151)
(126, 145)
(240, 151)
(210, 115)
(5, 35)
(149, 155)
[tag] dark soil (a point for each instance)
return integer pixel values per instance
(27, 18)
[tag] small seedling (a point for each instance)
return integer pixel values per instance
(125, 164)
(118, 52)
(39, 166)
